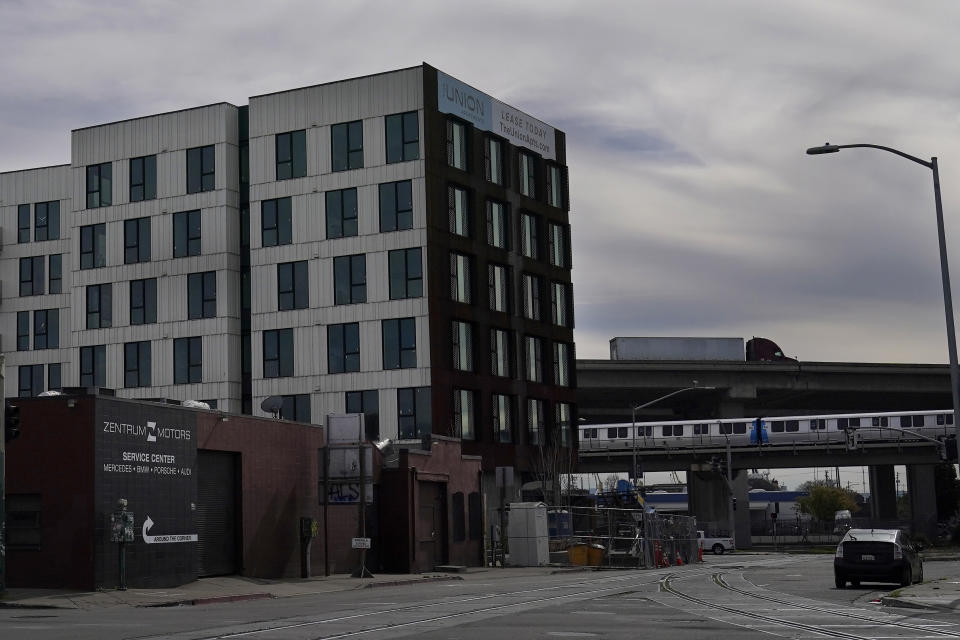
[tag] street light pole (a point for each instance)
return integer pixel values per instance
(944, 268)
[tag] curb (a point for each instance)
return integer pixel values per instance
(211, 600)
(397, 583)
(20, 605)
(910, 603)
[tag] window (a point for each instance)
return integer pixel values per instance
(342, 213)
(93, 366)
(500, 353)
(99, 306)
(186, 234)
(558, 303)
(143, 178)
(396, 206)
(291, 154)
(413, 412)
(820, 423)
(296, 407)
(532, 347)
(31, 276)
(136, 240)
(23, 330)
(562, 420)
(56, 273)
(535, 420)
(46, 221)
(278, 353)
(406, 274)
(202, 295)
(347, 145)
(343, 347)
(493, 160)
(463, 417)
(403, 137)
(187, 360)
(99, 185)
(93, 246)
(46, 329)
(554, 186)
(367, 403)
(739, 427)
(23, 223)
(558, 245)
(293, 291)
(528, 235)
(475, 508)
(526, 166)
(531, 296)
(30, 380)
(561, 364)
(701, 429)
(499, 287)
(136, 364)
(143, 301)
(201, 167)
(462, 345)
(497, 229)
(350, 279)
(502, 418)
(459, 518)
(457, 208)
(276, 222)
(942, 419)
(399, 343)
(457, 144)
(53, 377)
(460, 290)
(879, 421)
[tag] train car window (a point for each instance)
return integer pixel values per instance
(725, 428)
(792, 425)
(818, 423)
(854, 422)
(589, 433)
(622, 432)
(701, 429)
(842, 423)
(919, 421)
(668, 429)
(880, 421)
(612, 432)
(739, 427)
(906, 421)
(678, 429)
(776, 426)
(944, 418)
(648, 431)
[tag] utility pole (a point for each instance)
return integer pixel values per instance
(3, 486)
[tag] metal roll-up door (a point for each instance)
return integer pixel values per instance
(217, 513)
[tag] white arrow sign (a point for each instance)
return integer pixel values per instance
(148, 523)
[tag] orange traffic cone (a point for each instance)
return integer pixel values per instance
(700, 553)
(679, 559)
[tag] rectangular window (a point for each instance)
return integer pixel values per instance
(343, 347)
(562, 420)
(136, 364)
(143, 178)
(23, 330)
(93, 366)
(403, 137)
(557, 238)
(56, 273)
(554, 186)
(561, 364)
(296, 407)
(526, 167)
(186, 234)
(499, 287)
(531, 296)
(502, 418)
(535, 420)
(460, 289)
(350, 279)
(46, 329)
(46, 221)
(99, 306)
(462, 345)
(202, 295)
(475, 509)
(276, 222)
(136, 240)
(278, 353)
(99, 185)
(187, 360)
(457, 144)
(31, 276)
(53, 377)
(367, 403)
(529, 239)
(458, 211)
(291, 155)
(399, 343)
(413, 412)
(497, 228)
(201, 169)
(342, 213)
(463, 415)
(143, 301)
(23, 223)
(500, 353)
(30, 380)
(493, 160)
(558, 303)
(346, 145)
(396, 206)
(532, 350)
(406, 273)
(93, 246)
(293, 286)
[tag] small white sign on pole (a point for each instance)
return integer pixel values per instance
(360, 543)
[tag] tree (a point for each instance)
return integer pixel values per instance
(947, 489)
(756, 481)
(824, 502)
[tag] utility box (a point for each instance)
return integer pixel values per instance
(528, 535)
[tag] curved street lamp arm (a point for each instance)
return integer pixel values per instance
(833, 148)
(672, 393)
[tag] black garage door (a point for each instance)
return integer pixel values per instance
(218, 518)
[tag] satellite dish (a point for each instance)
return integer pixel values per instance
(46, 394)
(272, 404)
(195, 404)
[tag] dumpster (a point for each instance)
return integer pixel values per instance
(595, 553)
(577, 554)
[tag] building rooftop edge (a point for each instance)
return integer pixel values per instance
(332, 82)
(155, 115)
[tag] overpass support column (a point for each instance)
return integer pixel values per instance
(923, 499)
(741, 491)
(883, 493)
(707, 500)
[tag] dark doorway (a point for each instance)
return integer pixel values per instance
(431, 525)
(218, 514)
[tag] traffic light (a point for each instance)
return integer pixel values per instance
(734, 504)
(11, 422)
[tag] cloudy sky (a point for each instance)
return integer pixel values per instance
(694, 210)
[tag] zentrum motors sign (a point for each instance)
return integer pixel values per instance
(489, 114)
(150, 430)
